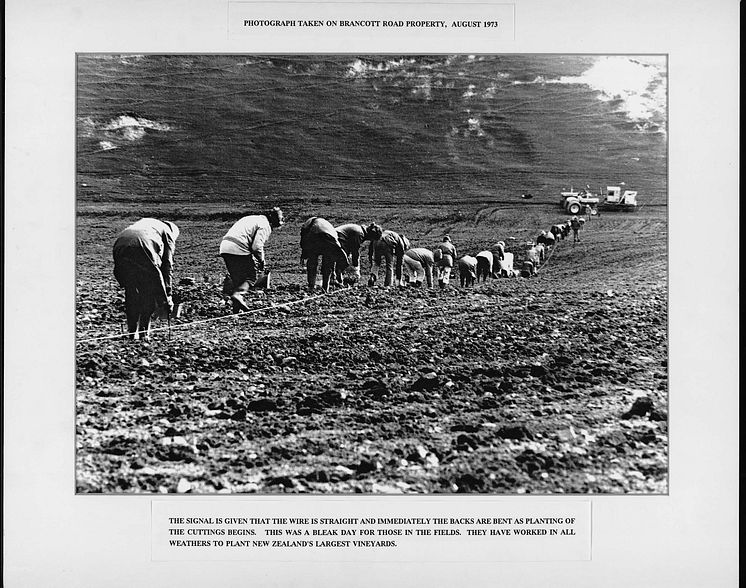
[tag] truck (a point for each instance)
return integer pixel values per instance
(576, 201)
(618, 200)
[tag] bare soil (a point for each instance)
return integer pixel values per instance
(554, 384)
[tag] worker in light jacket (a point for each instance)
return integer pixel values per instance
(242, 249)
(143, 266)
(418, 265)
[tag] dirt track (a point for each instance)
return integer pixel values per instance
(553, 384)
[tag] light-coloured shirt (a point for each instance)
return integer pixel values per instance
(247, 237)
(421, 254)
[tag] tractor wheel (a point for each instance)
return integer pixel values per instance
(574, 208)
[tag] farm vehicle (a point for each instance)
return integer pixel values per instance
(575, 202)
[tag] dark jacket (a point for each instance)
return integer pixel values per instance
(151, 241)
(318, 237)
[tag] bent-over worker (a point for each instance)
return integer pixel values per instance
(391, 248)
(351, 237)
(318, 237)
(418, 264)
(467, 269)
(143, 265)
(242, 249)
(444, 261)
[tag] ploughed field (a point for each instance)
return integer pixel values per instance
(554, 384)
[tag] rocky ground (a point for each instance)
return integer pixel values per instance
(555, 384)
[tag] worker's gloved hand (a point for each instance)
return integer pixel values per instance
(355, 272)
(260, 265)
(371, 280)
(170, 304)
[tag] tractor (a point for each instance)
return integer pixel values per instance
(574, 202)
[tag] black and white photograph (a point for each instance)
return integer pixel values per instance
(304, 293)
(371, 274)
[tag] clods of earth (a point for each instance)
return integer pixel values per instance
(554, 384)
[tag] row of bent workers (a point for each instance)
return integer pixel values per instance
(143, 260)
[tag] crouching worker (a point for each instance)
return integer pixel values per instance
(467, 270)
(318, 237)
(391, 248)
(528, 269)
(242, 249)
(505, 266)
(351, 237)
(418, 263)
(445, 258)
(485, 261)
(546, 238)
(143, 265)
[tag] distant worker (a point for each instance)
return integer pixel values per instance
(351, 237)
(389, 248)
(575, 225)
(143, 266)
(418, 264)
(242, 250)
(545, 238)
(445, 257)
(467, 269)
(536, 255)
(499, 250)
(528, 269)
(485, 263)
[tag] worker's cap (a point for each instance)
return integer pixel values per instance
(575, 218)
(275, 217)
(447, 238)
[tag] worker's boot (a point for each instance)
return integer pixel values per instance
(238, 303)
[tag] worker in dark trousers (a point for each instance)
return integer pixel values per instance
(143, 265)
(575, 225)
(242, 250)
(351, 237)
(389, 248)
(318, 238)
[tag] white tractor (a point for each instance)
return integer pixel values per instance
(574, 202)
